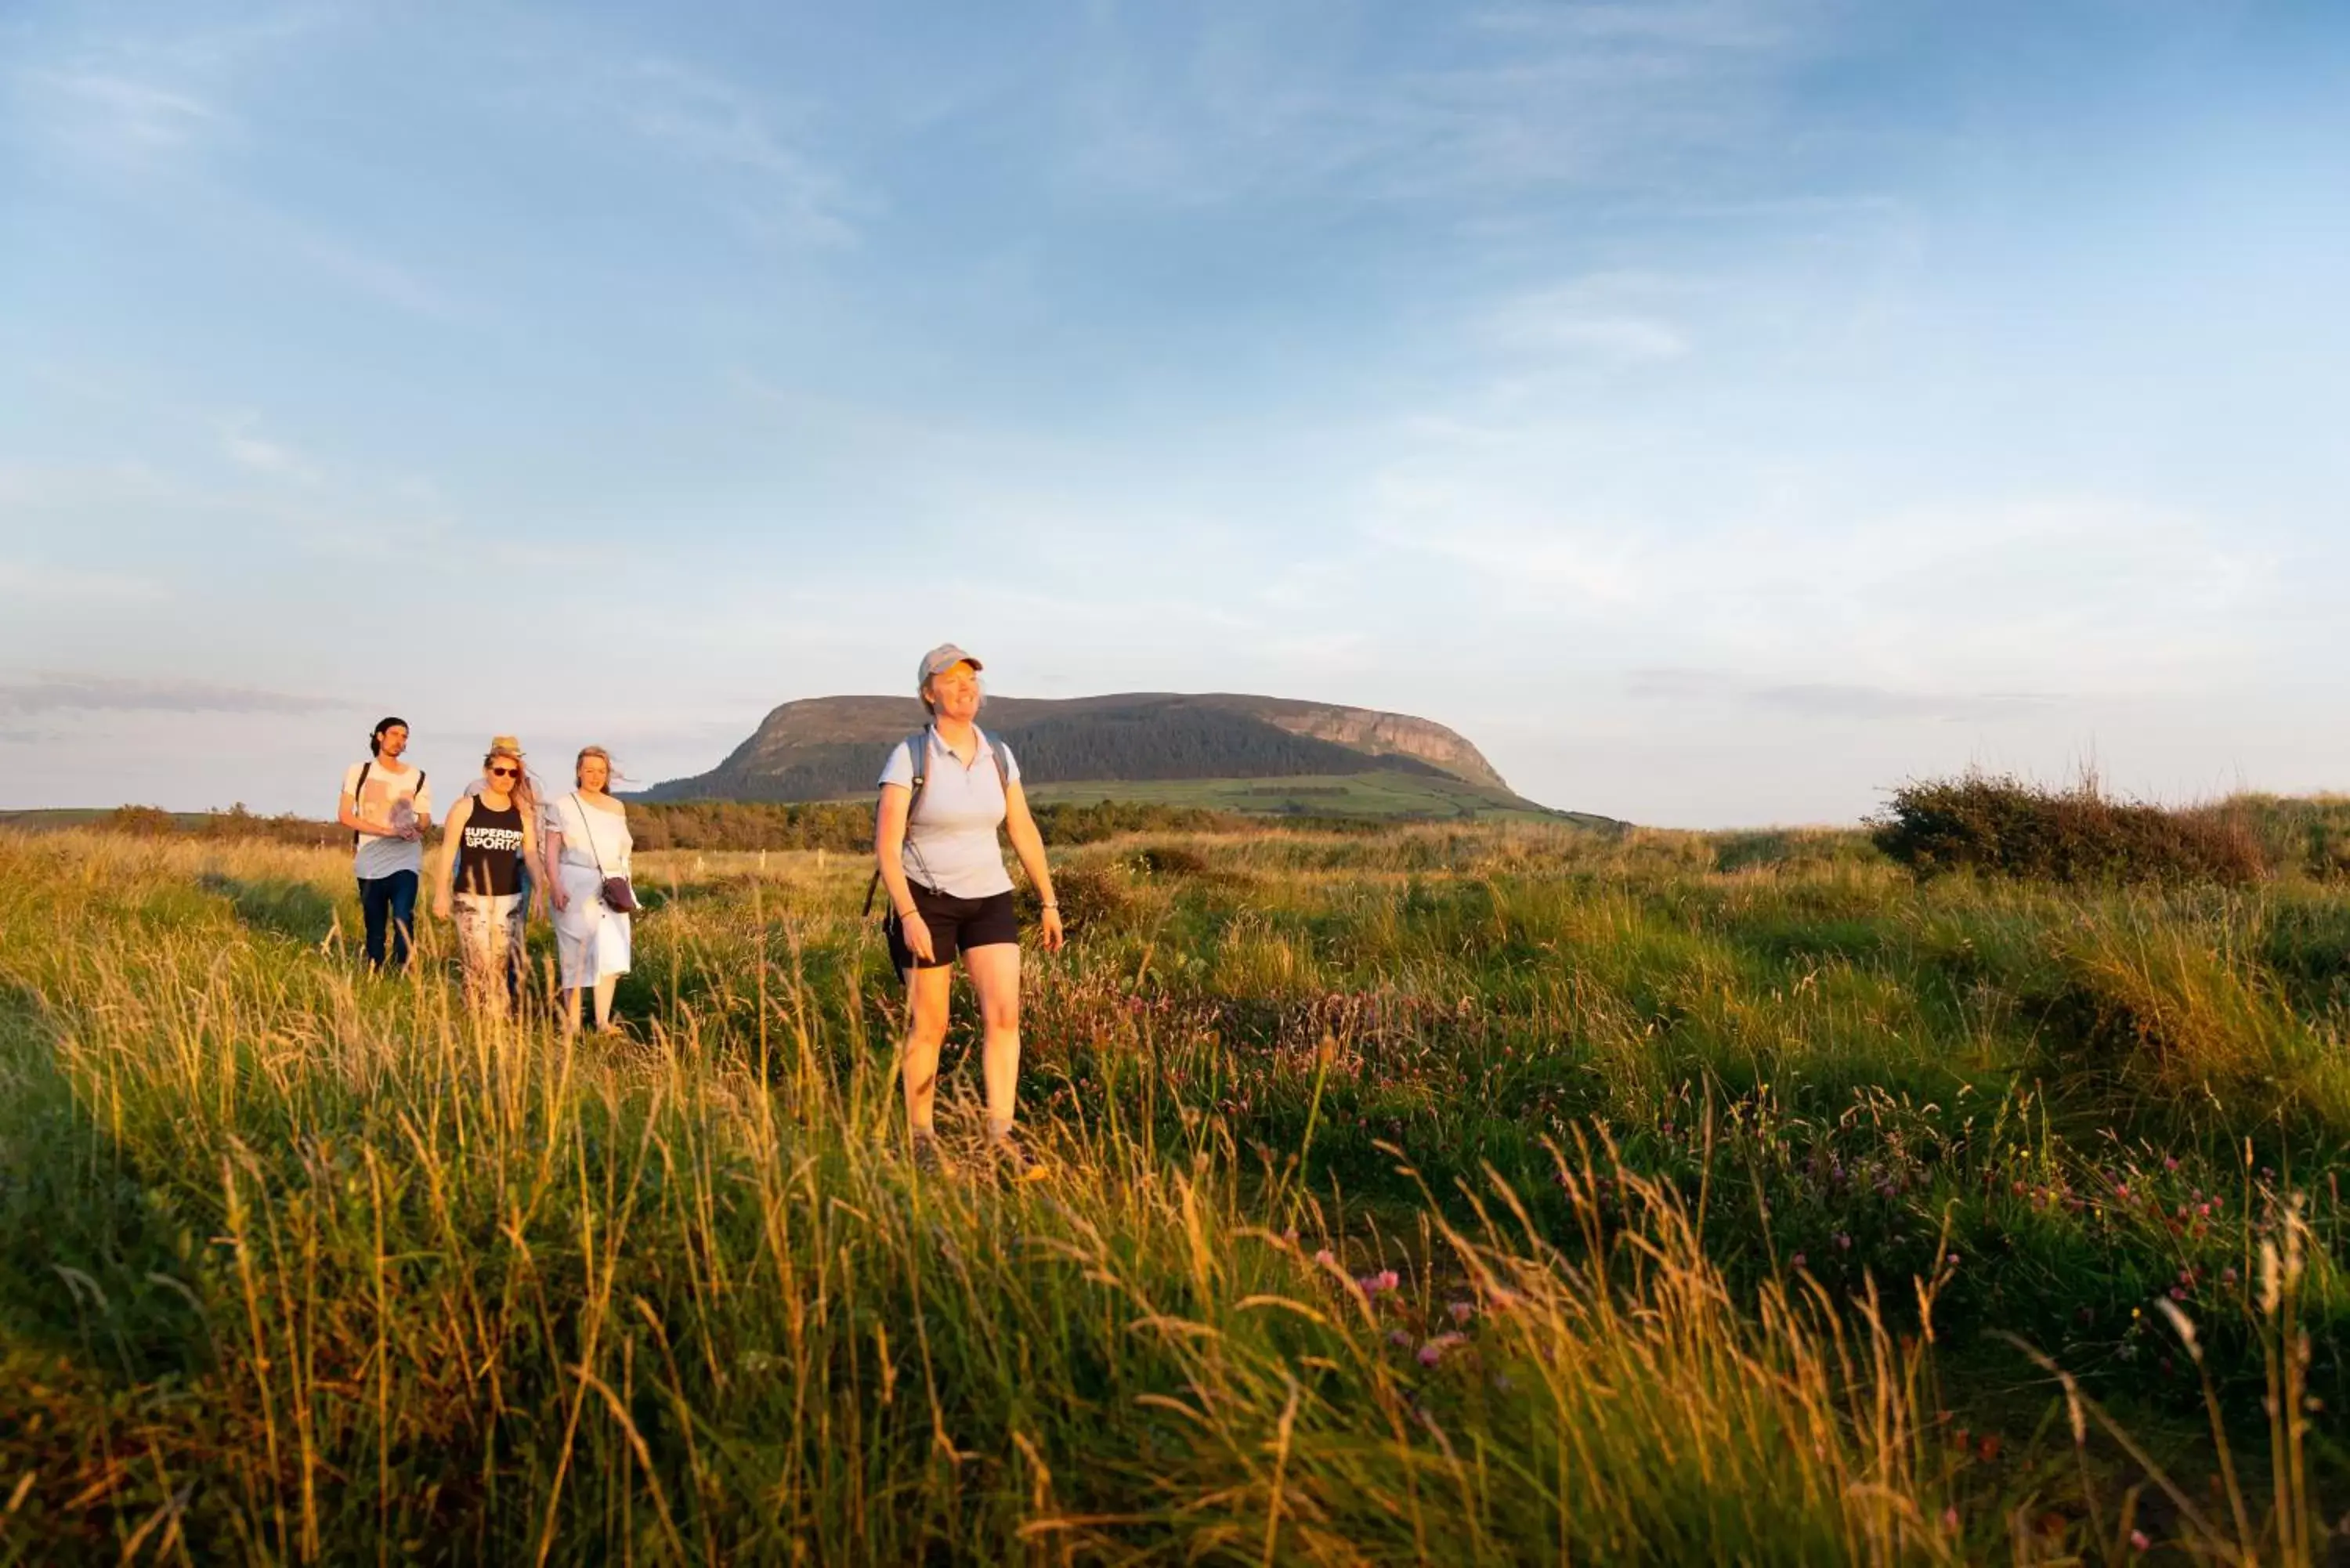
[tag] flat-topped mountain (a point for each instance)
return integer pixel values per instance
(826, 748)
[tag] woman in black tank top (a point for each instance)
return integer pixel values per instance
(489, 839)
(489, 851)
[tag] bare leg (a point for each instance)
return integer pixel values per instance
(995, 975)
(927, 991)
(604, 984)
(570, 1011)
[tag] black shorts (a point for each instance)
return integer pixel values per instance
(956, 925)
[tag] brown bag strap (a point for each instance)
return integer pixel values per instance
(590, 834)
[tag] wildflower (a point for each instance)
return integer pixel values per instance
(2138, 1543)
(2170, 1162)
(1951, 1260)
(1843, 1241)
(1399, 1339)
(1462, 1310)
(1326, 1258)
(2228, 1275)
(1950, 1521)
(1798, 1259)
(1433, 1351)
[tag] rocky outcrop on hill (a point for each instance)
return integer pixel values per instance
(826, 747)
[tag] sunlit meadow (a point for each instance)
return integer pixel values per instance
(1438, 1195)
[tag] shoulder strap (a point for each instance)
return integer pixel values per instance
(365, 768)
(996, 749)
(918, 752)
(587, 831)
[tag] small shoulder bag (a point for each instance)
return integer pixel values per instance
(617, 895)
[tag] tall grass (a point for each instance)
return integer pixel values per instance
(301, 1266)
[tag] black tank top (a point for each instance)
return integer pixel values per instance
(490, 853)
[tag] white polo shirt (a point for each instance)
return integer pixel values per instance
(951, 842)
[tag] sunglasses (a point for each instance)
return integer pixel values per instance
(505, 773)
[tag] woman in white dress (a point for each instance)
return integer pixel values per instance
(587, 840)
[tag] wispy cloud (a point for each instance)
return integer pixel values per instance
(1835, 700)
(1602, 97)
(249, 450)
(704, 121)
(59, 585)
(52, 692)
(115, 119)
(1611, 317)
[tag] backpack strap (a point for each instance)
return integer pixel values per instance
(918, 753)
(365, 768)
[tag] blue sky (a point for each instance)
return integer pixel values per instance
(1718, 409)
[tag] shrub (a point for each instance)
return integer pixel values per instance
(139, 821)
(1088, 893)
(1171, 860)
(2007, 827)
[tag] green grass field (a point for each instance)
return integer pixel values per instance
(1480, 1193)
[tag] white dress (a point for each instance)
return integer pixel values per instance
(590, 940)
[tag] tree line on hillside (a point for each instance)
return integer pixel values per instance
(843, 826)
(847, 826)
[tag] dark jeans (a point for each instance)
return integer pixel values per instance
(393, 898)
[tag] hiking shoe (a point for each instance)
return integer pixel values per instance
(928, 1160)
(1013, 1159)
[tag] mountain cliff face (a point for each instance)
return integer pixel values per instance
(826, 747)
(1390, 734)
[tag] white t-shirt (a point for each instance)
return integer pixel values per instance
(592, 837)
(951, 844)
(387, 799)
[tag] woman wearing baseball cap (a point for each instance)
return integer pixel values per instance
(945, 791)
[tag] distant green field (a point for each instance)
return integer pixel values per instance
(1336, 795)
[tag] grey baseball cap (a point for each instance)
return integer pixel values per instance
(944, 657)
